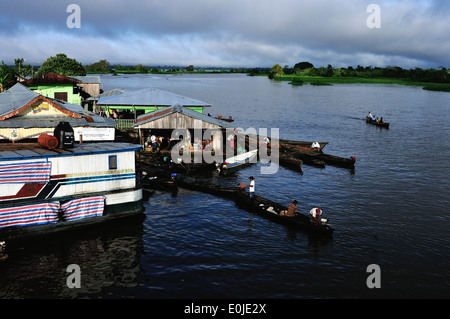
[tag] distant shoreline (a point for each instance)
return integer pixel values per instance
(305, 79)
(319, 80)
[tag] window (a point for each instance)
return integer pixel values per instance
(62, 96)
(113, 162)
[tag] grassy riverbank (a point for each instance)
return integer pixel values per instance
(319, 80)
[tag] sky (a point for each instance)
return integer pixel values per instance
(229, 33)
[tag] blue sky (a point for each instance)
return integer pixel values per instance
(244, 33)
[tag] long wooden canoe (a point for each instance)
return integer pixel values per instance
(261, 206)
(383, 124)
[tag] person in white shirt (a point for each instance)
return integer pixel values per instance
(315, 214)
(251, 186)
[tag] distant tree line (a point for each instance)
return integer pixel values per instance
(64, 65)
(440, 75)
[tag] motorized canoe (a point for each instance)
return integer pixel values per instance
(382, 124)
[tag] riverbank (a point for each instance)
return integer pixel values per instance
(319, 80)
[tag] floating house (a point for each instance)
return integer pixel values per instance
(131, 104)
(164, 121)
(56, 86)
(74, 90)
(47, 191)
(25, 115)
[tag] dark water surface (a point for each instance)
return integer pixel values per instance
(393, 211)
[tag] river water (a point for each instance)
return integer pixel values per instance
(392, 211)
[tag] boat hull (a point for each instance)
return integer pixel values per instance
(239, 160)
(47, 192)
(117, 206)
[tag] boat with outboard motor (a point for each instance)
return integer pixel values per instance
(377, 123)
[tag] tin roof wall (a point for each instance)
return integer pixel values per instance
(168, 111)
(149, 97)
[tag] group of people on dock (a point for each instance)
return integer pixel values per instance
(156, 143)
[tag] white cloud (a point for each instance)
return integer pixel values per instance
(230, 32)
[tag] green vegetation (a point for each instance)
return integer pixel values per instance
(103, 66)
(61, 64)
(99, 67)
(301, 73)
(305, 72)
(7, 77)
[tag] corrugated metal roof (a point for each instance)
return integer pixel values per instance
(155, 115)
(88, 78)
(14, 98)
(150, 97)
(108, 93)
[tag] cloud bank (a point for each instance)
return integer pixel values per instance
(243, 33)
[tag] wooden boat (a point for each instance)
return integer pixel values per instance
(50, 191)
(290, 162)
(289, 144)
(259, 205)
(383, 124)
(226, 119)
(338, 161)
(271, 210)
(239, 160)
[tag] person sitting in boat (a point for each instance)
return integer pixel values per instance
(381, 119)
(315, 146)
(291, 211)
(315, 213)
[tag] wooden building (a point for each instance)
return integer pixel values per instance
(25, 115)
(131, 104)
(163, 122)
(74, 90)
